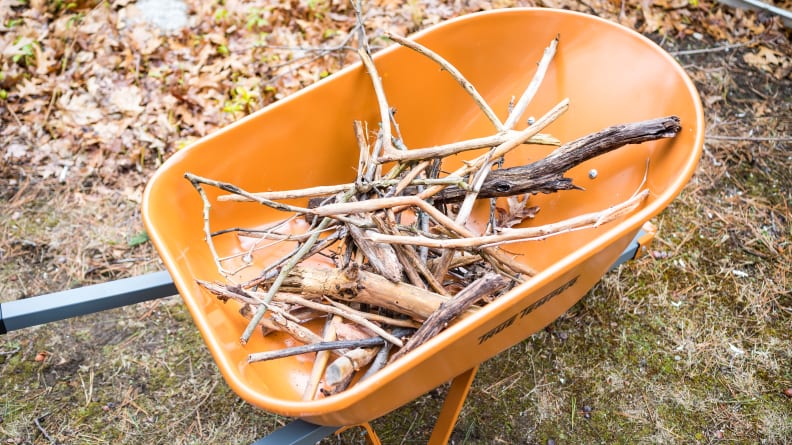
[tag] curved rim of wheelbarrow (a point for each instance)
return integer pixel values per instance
(363, 389)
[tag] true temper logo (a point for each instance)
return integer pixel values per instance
(528, 309)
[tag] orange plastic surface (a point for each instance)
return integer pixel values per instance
(611, 75)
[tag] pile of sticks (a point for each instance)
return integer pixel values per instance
(406, 265)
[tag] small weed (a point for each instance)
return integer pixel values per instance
(242, 100)
(25, 54)
(257, 18)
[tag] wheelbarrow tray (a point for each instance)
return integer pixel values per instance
(611, 75)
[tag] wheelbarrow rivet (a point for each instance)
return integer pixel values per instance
(593, 173)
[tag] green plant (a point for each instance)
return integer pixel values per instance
(220, 14)
(242, 100)
(258, 18)
(10, 23)
(318, 7)
(26, 54)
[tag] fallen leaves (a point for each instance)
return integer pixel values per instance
(774, 62)
(96, 75)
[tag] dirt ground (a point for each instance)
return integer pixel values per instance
(689, 344)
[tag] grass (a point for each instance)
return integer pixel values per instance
(690, 344)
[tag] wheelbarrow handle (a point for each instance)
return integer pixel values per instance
(46, 308)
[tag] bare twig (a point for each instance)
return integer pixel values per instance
(384, 109)
(351, 316)
(533, 86)
(467, 145)
(454, 72)
(320, 362)
(507, 146)
(520, 234)
(315, 347)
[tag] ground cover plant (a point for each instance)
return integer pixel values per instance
(688, 344)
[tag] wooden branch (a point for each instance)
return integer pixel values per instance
(353, 284)
(379, 91)
(231, 188)
(451, 309)
(390, 321)
(454, 72)
(504, 148)
(320, 361)
(315, 347)
(381, 257)
(546, 175)
(343, 367)
(467, 145)
(533, 86)
(349, 315)
(453, 148)
(519, 234)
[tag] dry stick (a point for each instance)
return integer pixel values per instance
(313, 192)
(343, 367)
(520, 234)
(381, 257)
(324, 190)
(546, 174)
(454, 72)
(451, 309)
(409, 271)
(315, 347)
(231, 188)
(414, 201)
(384, 112)
(267, 325)
(296, 258)
(533, 86)
(320, 362)
(295, 329)
(467, 145)
(207, 229)
(399, 322)
(505, 147)
(364, 157)
(351, 316)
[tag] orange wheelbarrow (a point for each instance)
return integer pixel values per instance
(611, 75)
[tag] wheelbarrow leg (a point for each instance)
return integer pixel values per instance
(452, 406)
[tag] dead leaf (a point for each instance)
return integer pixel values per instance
(769, 60)
(80, 109)
(15, 151)
(517, 211)
(127, 100)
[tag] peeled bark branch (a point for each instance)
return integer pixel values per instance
(353, 284)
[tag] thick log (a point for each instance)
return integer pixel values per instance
(353, 284)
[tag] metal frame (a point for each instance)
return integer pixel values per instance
(20, 314)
